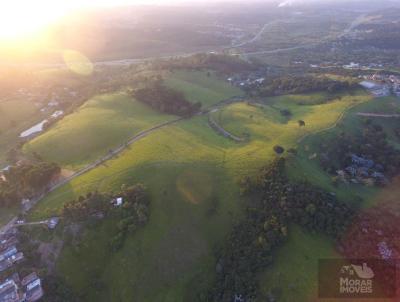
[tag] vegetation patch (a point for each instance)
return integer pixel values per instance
(130, 208)
(205, 87)
(26, 180)
(184, 232)
(306, 84)
(166, 100)
(249, 249)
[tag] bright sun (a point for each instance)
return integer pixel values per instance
(19, 18)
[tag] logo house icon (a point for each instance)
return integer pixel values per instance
(363, 272)
(342, 278)
(356, 279)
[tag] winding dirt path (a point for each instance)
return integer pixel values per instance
(217, 128)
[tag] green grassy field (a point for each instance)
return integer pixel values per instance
(305, 165)
(202, 87)
(101, 124)
(158, 262)
(16, 115)
(294, 274)
(266, 127)
(106, 121)
(188, 170)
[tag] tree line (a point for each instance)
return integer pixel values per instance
(303, 84)
(250, 247)
(132, 214)
(221, 63)
(26, 180)
(165, 99)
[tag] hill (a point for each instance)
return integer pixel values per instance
(303, 248)
(107, 121)
(195, 198)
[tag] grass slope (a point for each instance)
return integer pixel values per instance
(158, 262)
(294, 273)
(305, 165)
(202, 87)
(16, 116)
(172, 255)
(101, 124)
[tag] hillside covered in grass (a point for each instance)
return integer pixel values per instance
(192, 174)
(107, 121)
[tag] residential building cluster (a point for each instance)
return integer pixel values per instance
(249, 80)
(362, 171)
(381, 85)
(9, 254)
(13, 288)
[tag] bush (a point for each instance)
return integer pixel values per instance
(278, 149)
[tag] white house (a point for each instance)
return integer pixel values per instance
(117, 202)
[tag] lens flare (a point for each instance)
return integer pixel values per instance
(77, 62)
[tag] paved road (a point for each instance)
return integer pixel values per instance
(13, 223)
(8, 226)
(378, 115)
(105, 158)
(134, 139)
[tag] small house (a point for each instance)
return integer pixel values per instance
(53, 222)
(33, 287)
(9, 291)
(117, 202)
(8, 253)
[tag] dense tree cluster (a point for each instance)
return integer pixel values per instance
(371, 144)
(25, 180)
(224, 64)
(249, 249)
(165, 99)
(302, 84)
(133, 213)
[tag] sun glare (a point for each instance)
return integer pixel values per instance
(20, 18)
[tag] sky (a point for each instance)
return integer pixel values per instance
(20, 18)
(24, 17)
